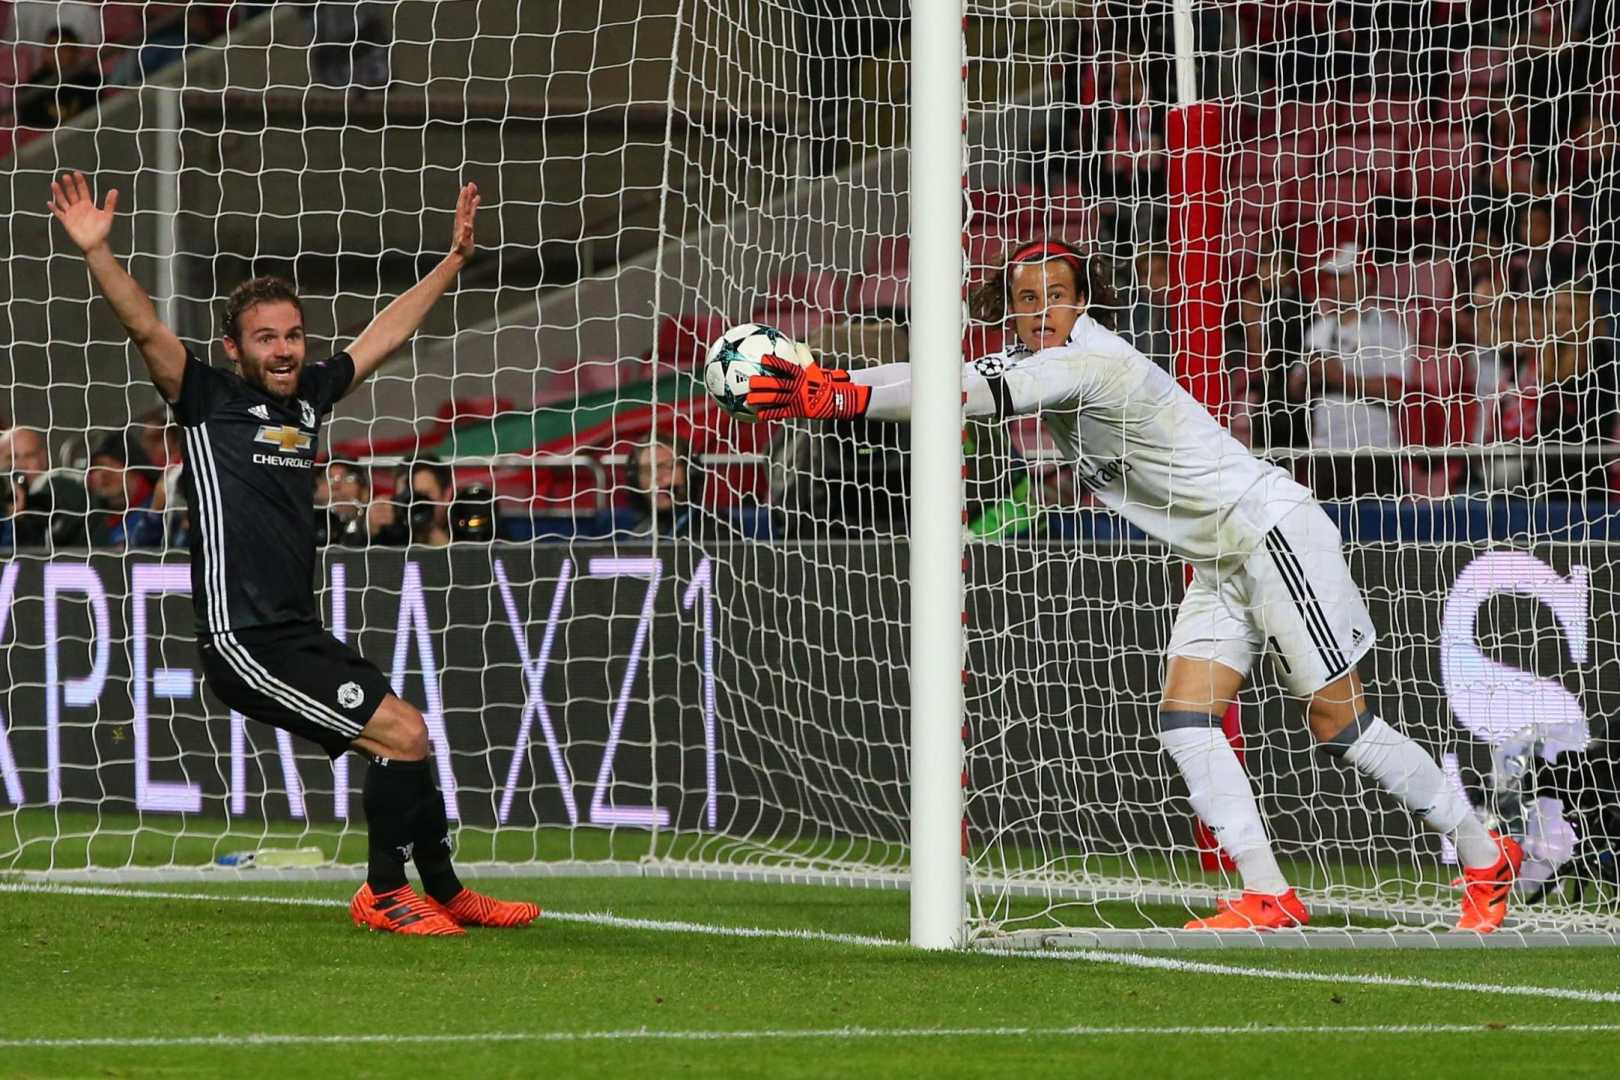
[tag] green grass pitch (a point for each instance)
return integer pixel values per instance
(181, 987)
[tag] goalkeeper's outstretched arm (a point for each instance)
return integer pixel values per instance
(88, 225)
(396, 323)
(786, 390)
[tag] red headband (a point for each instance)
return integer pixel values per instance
(1047, 249)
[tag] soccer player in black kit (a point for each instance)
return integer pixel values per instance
(250, 443)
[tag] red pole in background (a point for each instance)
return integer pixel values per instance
(1197, 230)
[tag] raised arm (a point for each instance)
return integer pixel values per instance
(88, 226)
(396, 323)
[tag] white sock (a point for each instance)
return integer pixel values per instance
(1402, 768)
(1222, 797)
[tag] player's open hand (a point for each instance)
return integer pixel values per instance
(74, 205)
(461, 240)
(784, 390)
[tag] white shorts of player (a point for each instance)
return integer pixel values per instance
(1293, 595)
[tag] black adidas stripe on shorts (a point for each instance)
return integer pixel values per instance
(1305, 602)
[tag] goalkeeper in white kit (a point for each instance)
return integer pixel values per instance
(1267, 566)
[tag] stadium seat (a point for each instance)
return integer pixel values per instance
(1380, 114)
(797, 323)
(683, 340)
(1062, 213)
(1252, 162)
(882, 294)
(889, 255)
(1430, 284)
(1429, 326)
(1434, 408)
(981, 340)
(1294, 117)
(1441, 174)
(1254, 202)
(983, 251)
(1326, 198)
(818, 290)
(996, 206)
(1311, 240)
(1482, 72)
(1273, 159)
(1248, 233)
(1350, 152)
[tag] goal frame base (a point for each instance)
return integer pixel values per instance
(1323, 938)
(1418, 931)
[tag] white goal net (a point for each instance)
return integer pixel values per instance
(1391, 248)
(658, 641)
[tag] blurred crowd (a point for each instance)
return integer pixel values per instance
(121, 490)
(1422, 224)
(1421, 238)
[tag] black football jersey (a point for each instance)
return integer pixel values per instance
(249, 480)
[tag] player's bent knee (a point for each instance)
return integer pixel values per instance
(1199, 686)
(1337, 735)
(415, 741)
(1335, 708)
(1331, 723)
(398, 730)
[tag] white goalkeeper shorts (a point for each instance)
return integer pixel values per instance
(1293, 596)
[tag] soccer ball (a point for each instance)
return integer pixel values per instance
(735, 358)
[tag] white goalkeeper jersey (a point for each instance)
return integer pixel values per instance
(1145, 447)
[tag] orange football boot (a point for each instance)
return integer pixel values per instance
(1486, 890)
(468, 908)
(400, 911)
(1255, 911)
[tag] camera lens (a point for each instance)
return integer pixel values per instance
(421, 517)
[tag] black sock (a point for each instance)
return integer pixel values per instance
(432, 838)
(391, 795)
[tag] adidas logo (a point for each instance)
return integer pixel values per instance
(261, 411)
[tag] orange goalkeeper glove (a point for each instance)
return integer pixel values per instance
(787, 391)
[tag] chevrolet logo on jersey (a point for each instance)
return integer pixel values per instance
(287, 438)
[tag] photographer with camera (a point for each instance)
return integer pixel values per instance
(420, 512)
(37, 507)
(344, 511)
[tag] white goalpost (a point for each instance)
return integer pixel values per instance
(936, 475)
(915, 657)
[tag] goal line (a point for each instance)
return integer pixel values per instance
(1412, 926)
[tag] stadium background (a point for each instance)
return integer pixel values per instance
(650, 179)
(652, 170)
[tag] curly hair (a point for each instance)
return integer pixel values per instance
(1093, 281)
(259, 290)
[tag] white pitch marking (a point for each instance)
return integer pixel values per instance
(592, 918)
(250, 1041)
(1095, 956)
(1199, 967)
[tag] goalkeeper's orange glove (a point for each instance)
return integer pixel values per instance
(786, 391)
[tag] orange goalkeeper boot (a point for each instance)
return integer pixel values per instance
(468, 908)
(400, 911)
(1486, 890)
(1255, 911)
